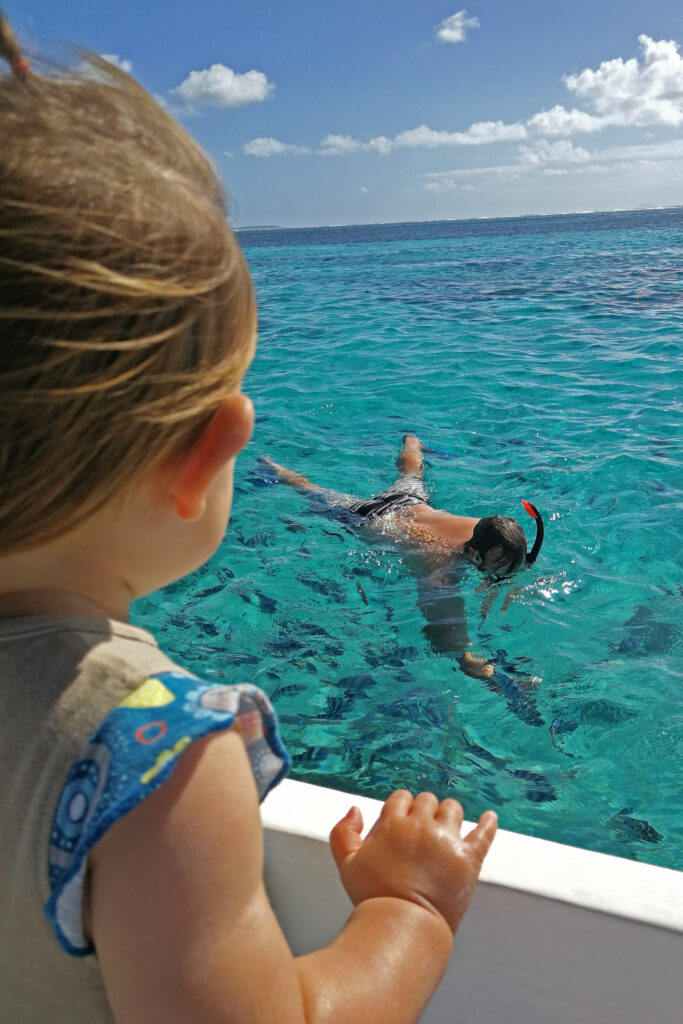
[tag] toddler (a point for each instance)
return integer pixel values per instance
(131, 855)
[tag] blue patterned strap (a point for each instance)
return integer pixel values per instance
(134, 749)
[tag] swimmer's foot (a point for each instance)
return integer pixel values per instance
(410, 457)
(288, 475)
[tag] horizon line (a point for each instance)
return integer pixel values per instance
(457, 220)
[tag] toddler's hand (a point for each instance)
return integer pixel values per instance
(415, 852)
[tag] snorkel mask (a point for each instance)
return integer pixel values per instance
(502, 566)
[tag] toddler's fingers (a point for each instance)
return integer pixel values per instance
(425, 805)
(399, 802)
(345, 837)
(450, 812)
(481, 837)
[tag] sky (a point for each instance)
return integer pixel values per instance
(368, 111)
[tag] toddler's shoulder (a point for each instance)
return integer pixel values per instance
(134, 749)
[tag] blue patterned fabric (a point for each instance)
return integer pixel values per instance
(134, 749)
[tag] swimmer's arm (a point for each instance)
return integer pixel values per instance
(184, 930)
(446, 626)
(446, 629)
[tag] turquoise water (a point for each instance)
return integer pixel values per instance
(544, 354)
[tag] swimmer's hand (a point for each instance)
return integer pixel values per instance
(415, 852)
(476, 666)
(480, 667)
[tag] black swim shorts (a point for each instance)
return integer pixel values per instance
(408, 490)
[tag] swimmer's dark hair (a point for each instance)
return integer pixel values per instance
(492, 531)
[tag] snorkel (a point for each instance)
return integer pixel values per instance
(535, 514)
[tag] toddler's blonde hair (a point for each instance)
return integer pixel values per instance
(126, 308)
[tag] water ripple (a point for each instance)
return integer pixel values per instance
(544, 355)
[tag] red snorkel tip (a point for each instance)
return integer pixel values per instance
(535, 514)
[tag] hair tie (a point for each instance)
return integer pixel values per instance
(21, 68)
(9, 49)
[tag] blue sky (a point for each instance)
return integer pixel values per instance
(389, 110)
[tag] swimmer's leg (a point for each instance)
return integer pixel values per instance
(301, 483)
(410, 459)
(289, 476)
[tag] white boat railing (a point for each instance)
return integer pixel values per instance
(554, 935)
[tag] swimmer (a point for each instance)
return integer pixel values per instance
(496, 545)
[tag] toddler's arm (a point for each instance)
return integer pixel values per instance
(411, 881)
(185, 933)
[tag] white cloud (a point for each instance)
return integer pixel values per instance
(560, 121)
(633, 93)
(531, 158)
(363, 190)
(621, 168)
(118, 62)
(478, 134)
(444, 181)
(443, 184)
(483, 132)
(331, 145)
(625, 93)
(544, 152)
(219, 86)
(645, 92)
(646, 160)
(381, 145)
(338, 145)
(271, 147)
(448, 182)
(423, 136)
(454, 29)
(671, 150)
(341, 145)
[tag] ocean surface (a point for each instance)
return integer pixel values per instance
(543, 357)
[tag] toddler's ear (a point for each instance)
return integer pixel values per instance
(224, 437)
